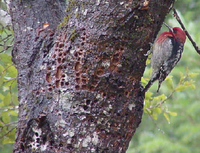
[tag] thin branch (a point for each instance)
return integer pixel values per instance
(2, 136)
(163, 101)
(9, 124)
(6, 68)
(186, 32)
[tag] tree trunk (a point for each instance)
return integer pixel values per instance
(79, 70)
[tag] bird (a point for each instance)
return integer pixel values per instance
(166, 52)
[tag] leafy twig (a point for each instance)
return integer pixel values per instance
(161, 102)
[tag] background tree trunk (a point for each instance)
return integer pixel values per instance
(79, 71)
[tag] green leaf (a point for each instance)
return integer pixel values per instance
(182, 77)
(143, 80)
(12, 72)
(192, 86)
(148, 61)
(172, 113)
(169, 83)
(7, 99)
(154, 116)
(169, 78)
(9, 83)
(148, 95)
(7, 140)
(157, 110)
(1, 97)
(14, 84)
(1, 79)
(187, 83)
(2, 104)
(1, 69)
(160, 98)
(147, 104)
(15, 99)
(11, 134)
(5, 117)
(167, 117)
(180, 88)
(13, 113)
(147, 110)
(5, 58)
(192, 75)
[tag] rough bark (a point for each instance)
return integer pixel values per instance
(79, 71)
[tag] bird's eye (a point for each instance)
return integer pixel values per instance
(175, 31)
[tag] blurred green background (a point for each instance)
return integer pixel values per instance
(171, 119)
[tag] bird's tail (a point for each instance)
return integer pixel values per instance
(159, 86)
(160, 80)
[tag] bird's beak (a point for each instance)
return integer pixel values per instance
(170, 28)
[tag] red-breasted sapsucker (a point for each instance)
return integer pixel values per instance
(166, 53)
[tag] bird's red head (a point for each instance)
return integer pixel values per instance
(177, 33)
